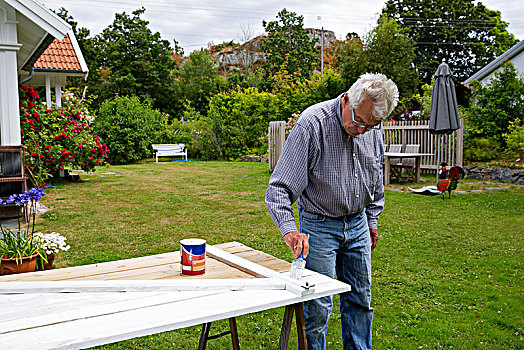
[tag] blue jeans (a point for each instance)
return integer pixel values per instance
(342, 246)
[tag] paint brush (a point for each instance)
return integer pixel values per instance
(298, 265)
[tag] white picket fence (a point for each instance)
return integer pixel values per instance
(404, 133)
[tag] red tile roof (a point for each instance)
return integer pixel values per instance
(59, 55)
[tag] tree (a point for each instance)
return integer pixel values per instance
(497, 104)
(464, 32)
(131, 60)
(197, 81)
(386, 49)
(129, 127)
(288, 47)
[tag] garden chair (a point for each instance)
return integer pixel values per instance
(407, 165)
(395, 148)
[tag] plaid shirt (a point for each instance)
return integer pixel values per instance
(326, 170)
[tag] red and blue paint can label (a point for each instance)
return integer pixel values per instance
(192, 257)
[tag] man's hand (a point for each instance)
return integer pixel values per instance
(298, 243)
(373, 232)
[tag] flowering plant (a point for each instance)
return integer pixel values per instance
(56, 138)
(51, 243)
(291, 122)
(16, 244)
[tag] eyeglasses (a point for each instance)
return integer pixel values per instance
(362, 124)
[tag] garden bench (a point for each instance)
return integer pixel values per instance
(169, 150)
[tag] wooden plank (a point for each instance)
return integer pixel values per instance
(106, 286)
(159, 266)
(297, 286)
(101, 268)
(88, 310)
(88, 332)
(22, 306)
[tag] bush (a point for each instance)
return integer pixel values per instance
(515, 140)
(238, 121)
(481, 150)
(56, 138)
(129, 128)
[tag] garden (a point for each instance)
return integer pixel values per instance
(446, 273)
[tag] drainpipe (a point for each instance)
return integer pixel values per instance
(31, 74)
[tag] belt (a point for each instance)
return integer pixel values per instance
(339, 218)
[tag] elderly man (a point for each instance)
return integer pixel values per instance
(332, 166)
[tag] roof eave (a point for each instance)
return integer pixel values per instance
(497, 62)
(78, 52)
(42, 17)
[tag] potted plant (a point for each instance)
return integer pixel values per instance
(51, 244)
(19, 247)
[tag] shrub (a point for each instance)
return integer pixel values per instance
(129, 128)
(481, 150)
(515, 140)
(56, 138)
(238, 121)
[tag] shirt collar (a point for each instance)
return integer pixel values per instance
(337, 107)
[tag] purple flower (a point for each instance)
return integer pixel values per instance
(17, 199)
(33, 194)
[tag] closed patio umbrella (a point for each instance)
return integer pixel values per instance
(444, 118)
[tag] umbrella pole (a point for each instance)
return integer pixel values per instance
(438, 155)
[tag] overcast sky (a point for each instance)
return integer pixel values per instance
(195, 24)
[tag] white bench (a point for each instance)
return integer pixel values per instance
(167, 150)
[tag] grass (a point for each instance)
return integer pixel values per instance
(446, 273)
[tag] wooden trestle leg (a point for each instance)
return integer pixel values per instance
(286, 327)
(204, 335)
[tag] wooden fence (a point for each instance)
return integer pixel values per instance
(417, 132)
(277, 137)
(404, 133)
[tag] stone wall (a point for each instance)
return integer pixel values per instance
(261, 159)
(475, 172)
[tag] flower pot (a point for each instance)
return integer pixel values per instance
(47, 265)
(10, 266)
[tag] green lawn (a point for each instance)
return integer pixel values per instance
(446, 273)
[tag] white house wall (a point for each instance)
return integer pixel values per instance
(23, 26)
(518, 63)
(9, 47)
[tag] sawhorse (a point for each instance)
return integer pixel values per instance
(296, 309)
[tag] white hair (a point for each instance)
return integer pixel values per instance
(382, 92)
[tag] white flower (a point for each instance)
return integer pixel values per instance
(52, 243)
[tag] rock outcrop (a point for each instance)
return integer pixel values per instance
(250, 55)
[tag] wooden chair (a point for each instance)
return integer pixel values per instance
(12, 179)
(407, 164)
(394, 162)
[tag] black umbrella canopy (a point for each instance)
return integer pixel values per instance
(444, 118)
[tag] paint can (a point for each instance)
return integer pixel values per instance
(192, 257)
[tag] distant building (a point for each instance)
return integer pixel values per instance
(515, 55)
